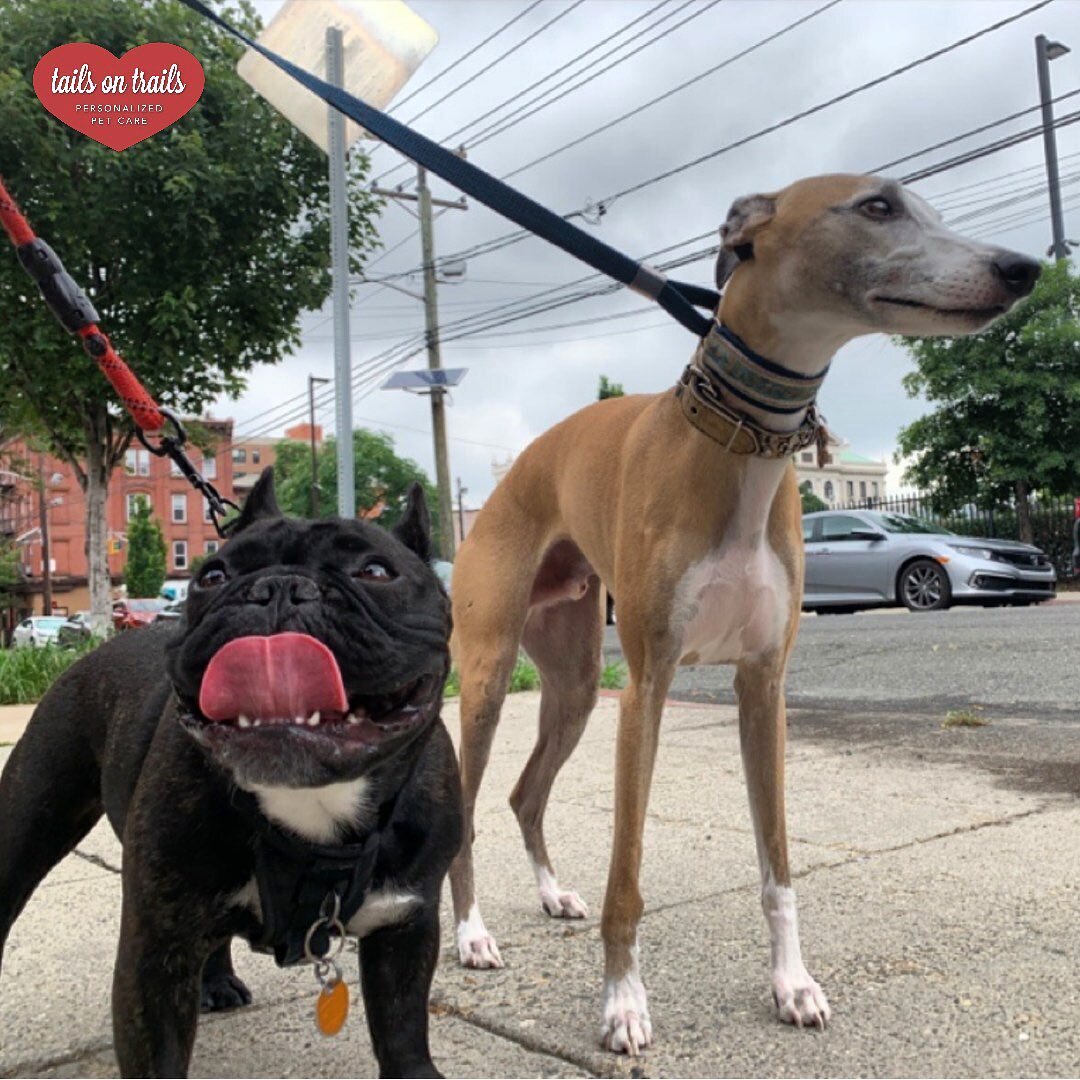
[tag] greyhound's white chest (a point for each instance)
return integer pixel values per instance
(735, 601)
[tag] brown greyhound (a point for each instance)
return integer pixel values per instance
(684, 504)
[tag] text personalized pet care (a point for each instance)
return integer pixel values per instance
(118, 102)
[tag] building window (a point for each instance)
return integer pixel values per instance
(212, 547)
(207, 517)
(239, 456)
(137, 462)
(862, 489)
(179, 554)
(133, 500)
(874, 488)
(209, 466)
(808, 456)
(851, 489)
(174, 469)
(830, 494)
(255, 455)
(179, 509)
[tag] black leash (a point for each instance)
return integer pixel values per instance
(677, 298)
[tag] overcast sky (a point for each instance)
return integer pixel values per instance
(532, 375)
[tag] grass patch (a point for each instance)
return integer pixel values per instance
(970, 717)
(526, 677)
(613, 677)
(25, 674)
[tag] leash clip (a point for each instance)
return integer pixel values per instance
(172, 447)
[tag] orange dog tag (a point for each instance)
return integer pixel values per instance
(332, 1007)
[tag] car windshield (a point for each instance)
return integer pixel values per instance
(50, 622)
(145, 605)
(905, 523)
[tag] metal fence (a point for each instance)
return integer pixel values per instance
(1051, 522)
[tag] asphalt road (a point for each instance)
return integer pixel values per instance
(1011, 661)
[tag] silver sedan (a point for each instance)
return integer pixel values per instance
(868, 558)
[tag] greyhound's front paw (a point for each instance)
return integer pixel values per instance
(626, 1028)
(223, 992)
(563, 905)
(799, 1000)
(476, 947)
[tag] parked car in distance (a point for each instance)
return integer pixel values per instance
(131, 614)
(74, 630)
(37, 631)
(170, 612)
(869, 558)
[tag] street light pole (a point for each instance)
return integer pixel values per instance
(1045, 51)
(312, 381)
(339, 254)
(46, 554)
(461, 492)
(438, 409)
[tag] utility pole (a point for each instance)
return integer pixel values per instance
(1045, 51)
(438, 408)
(461, 491)
(46, 554)
(431, 329)
(312, 381)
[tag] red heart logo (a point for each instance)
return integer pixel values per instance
(118, 102)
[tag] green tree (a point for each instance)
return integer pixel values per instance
(810, 502)
(200, 247)
(144, 571)
(1007, 417)
(9, 574)
(609, 389)
(381, 476)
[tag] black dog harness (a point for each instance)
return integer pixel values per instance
(307, 891)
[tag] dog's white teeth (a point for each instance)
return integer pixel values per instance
(354, 719)
(256, 722)
(243, 721)
(314, 718)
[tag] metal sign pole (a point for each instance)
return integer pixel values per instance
(339, 253)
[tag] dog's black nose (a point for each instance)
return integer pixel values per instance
(1017, 272)
(283, 588)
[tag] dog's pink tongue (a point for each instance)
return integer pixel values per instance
(283, 677)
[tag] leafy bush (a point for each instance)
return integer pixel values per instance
(25, 674)
(613, 677)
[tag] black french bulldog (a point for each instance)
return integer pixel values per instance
(273, 764)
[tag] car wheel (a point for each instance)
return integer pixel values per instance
(924, 586)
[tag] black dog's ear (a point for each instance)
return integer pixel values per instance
(260, 504)
(414, 528)
(745, 217)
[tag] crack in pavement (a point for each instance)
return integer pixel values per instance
(440, 1004)
(96, 860)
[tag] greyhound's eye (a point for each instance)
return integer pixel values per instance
(374, 571)
(877, 208)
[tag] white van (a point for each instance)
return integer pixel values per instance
(175, 591)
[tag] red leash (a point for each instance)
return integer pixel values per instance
(72, 307)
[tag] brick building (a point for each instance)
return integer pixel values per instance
(180, 510)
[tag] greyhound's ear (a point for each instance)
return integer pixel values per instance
(745, 217)
(261, 504)
(414, 528)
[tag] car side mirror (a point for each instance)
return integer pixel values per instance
(865, 534)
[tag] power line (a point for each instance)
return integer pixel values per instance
(674, 90)
(507, 123)
(498, 60)
(507, 239)
(465, 56)
(546, 78)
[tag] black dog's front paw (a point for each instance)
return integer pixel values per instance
(223, 992)
(423, 1069)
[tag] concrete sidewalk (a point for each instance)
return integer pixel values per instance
(939, 911)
